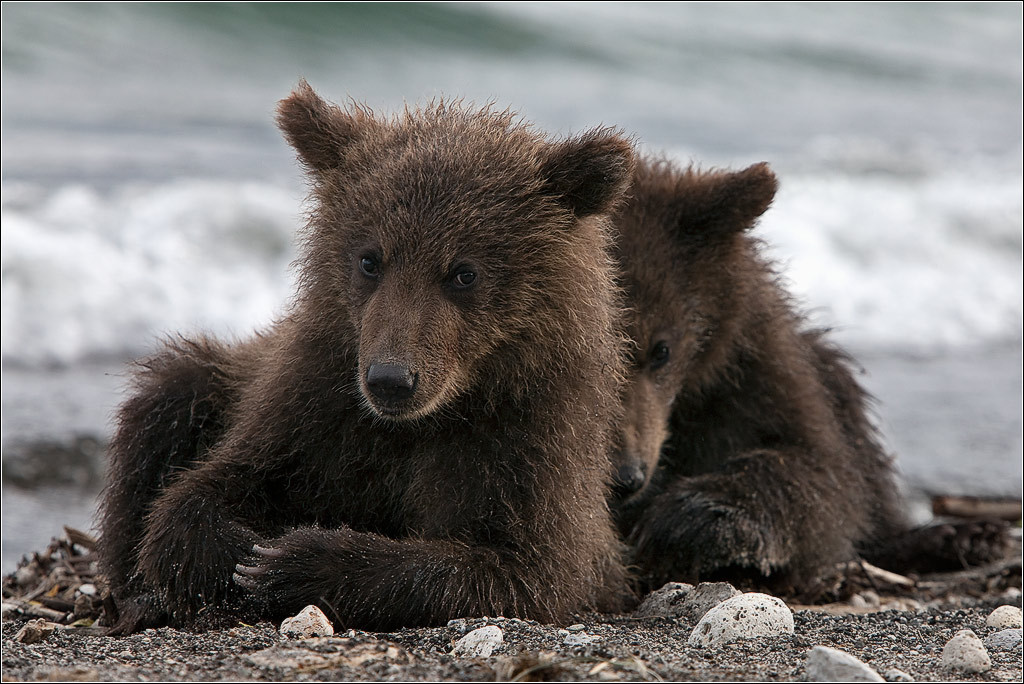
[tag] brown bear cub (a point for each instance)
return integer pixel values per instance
(745, 433)
(424, 434)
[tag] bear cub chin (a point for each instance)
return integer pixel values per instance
(424, 433)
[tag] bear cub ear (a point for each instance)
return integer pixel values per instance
(723, 202)
(319, 131)
(589, 173)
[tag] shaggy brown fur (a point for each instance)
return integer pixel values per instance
(770, 466)
(424, 434)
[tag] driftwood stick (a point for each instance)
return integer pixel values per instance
(951, 579)
(37, 611)
(57, 603)
(875, 573)
(977, 507)
(44, 586)
(83, 539)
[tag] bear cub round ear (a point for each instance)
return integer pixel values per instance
(589, 173)
(724, 202)
(319, 131)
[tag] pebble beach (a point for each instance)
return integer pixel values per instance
(955, 626)
(884, 644)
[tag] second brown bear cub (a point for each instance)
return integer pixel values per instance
(424, 435)
(770, 468)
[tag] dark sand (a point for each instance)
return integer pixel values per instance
(648, 649)
(903, 629)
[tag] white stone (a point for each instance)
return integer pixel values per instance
(479, 643)
(747, 616)
(897, 675)
(88, 589)
(826, 664)
(580, 639)
(1005, 617)
(1005, 640)
(1011, 594)
(24, 576)
(865, 599)
(310, 622)
(965, 653)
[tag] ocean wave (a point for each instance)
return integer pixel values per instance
(906, 262)
(91, 274)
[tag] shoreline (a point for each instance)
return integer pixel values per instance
(899, 626)
(622, 648)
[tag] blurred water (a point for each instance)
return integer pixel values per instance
(145, 189)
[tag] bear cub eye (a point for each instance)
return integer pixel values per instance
(659, 355)
(463, 277)
(369, 266)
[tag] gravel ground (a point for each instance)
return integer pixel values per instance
(620, 648)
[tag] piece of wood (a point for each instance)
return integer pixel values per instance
(976, 507)
(35, 631)
(36, 610)
(83, 539)
(878, 574)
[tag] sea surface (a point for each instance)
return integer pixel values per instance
(146, 191)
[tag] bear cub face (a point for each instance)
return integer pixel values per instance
(416, 244)
(683, 254)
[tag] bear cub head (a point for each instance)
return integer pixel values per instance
(440, 240)
(687, 271)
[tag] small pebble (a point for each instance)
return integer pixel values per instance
(479, 643)
(310, 622)
(746, 616)
(965, 653)
(580, 639)
(1005, 640)
(826, 664)
(575, 628)
(88, 589)
(680, 600)
(1005, 617)
(25, 576)
(1011, 594)
(665, 602)
(896, 675)
(865, 599)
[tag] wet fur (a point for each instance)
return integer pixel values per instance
(250, 480)
(761, 465)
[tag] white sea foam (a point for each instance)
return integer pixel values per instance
(93, 274)
(914, 262)
(890, 261)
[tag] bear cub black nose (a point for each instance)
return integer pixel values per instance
(390, 383)
(629, 478)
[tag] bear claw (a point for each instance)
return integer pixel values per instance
(268, 552)
(245, 582)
